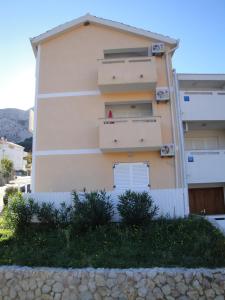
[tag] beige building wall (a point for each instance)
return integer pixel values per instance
(68, 63)
(63, 173)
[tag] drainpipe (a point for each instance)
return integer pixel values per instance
(171, 108)
(181, 139)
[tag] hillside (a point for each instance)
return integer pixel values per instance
(14, 124)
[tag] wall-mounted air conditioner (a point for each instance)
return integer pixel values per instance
(158, 49)
(162, 94)
(167, 150)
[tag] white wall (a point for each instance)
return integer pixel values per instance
(171, 202)
(203, 106)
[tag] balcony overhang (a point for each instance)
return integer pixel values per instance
(130, 134)
(121, 75)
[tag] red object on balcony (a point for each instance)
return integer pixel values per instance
(110, 115)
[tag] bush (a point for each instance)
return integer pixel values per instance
(93, 210)
(64, 215)
(19, 213)
(136, 208)
(10, 191)
(47, 214)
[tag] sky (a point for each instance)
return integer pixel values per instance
(199, 24)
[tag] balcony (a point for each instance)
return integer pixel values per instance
(133, 74)
(205, 166)
(130, 134)
(203, 106)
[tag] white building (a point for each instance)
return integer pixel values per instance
(13, 152)
(202, 115)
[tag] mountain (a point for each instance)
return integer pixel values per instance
(14, 124)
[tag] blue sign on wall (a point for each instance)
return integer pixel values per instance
(186, 98)
(190, 159)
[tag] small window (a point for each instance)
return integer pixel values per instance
(126, 53)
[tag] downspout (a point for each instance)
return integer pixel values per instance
(181, 139)
(172, 112)
(34, 146)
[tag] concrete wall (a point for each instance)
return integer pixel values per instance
(87, 284)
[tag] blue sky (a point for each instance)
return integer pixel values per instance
(199, 24)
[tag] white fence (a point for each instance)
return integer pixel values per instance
(171, 202)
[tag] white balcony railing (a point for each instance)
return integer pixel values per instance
(202, 106)
(205, 166)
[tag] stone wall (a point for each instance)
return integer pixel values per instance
(157, 283)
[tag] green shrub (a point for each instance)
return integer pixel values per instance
(48, 215)
(136, 208)
(19, 213)
(93, 210)
(10, 191)
(64, 215)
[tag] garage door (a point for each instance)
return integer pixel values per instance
(131, 176)
(207, 200)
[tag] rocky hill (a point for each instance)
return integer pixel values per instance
(14, 124)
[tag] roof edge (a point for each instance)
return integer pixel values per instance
(113, 24)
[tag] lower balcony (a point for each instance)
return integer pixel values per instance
(205, 166)
(130, 134)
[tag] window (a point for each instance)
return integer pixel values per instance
(126, 53)
(129, 110)
(131, 176)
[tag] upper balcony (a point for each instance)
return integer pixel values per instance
(127, 74)
(203, 106)
(205, 166)
(130, 134)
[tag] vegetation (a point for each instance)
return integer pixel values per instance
(19, 212)
(136, 208)
(52, 217)
(190, 242)
(27, 144)
(28, 159)
(93, 210)
(9, 192)
(6, 168)
(82, 235)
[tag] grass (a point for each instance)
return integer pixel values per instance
(192, 242)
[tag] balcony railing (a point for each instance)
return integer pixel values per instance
(205, 166)
(203, 106)
(119, 75)
(130, 134)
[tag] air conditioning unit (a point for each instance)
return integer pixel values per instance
(158, 49)
(167, 150)
(162, 94)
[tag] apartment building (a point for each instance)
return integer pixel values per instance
(105, 111)
(111, 113)
(202, 107)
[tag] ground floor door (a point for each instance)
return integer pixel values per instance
(209, 201)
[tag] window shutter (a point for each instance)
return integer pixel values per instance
(122, 176)
(133, 176)
(140, 176)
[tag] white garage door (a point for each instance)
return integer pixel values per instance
(131, 176)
